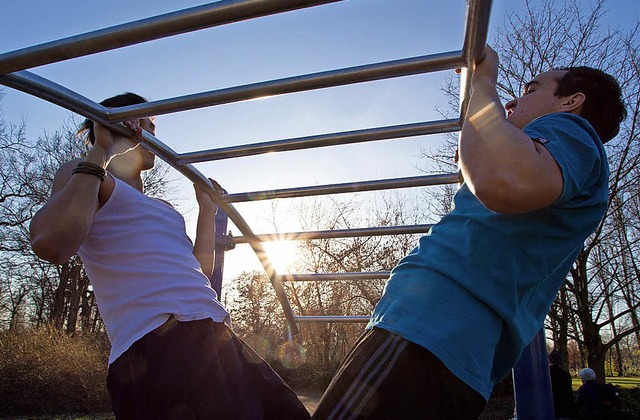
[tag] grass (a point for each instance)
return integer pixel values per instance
(44, 371)
(629, 392)
(621, 382)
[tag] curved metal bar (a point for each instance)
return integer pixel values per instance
(334, 318)
(161, 26)
(350, 187)
(42, 88)
(366, 73)
(372, 275)
(337, 233)
(52, 92)
(322, 140)
(167, 154)
(200, 17)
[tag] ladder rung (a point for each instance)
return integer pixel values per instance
(336, 233)
(333, 318)
(161, 26)
(372, 275)
(350, 187)
(301, 83)
(323, 140)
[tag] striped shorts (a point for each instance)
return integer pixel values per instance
(387, 377)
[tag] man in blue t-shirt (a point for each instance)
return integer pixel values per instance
(457, 311)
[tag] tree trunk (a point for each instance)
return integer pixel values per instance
(86, 309)
(76, 289)
(58, 310)
(591, 331)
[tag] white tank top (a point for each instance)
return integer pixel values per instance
(140, 262)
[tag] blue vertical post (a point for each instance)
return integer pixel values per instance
(222, 244)
(532, 382)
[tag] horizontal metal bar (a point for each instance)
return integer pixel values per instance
(373, 275)
(174, 23)
(365, 73)
(351, 187)
(333, 318)
(336, 233)
(323, 140)
(52, 92)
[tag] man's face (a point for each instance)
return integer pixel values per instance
(538, 99)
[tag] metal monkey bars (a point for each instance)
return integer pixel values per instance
(14, 74)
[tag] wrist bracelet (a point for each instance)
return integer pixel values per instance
(91, 169)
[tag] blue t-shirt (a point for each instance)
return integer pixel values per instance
(478, 286)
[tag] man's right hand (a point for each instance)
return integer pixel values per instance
(112, 144)
(486, 72)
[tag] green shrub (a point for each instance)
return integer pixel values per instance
(47, 372)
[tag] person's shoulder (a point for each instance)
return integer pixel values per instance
(566, 134)
(560, 117)
(69, 165)
(161, 200)
(564, 122)
(64, 173)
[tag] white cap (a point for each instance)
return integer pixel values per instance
(587, 374)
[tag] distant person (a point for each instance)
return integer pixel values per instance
(587, 398)
(457, 311)
(564, 404)
(172, 356)
(597, 401)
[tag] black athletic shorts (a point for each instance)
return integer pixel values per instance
(197, 370)
(387, 377)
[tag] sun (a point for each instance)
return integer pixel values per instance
(282, 254)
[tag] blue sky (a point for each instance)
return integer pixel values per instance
(343, 34)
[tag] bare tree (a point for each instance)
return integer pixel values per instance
(331, 341)
(256, 313)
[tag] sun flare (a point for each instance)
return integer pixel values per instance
(282, 254)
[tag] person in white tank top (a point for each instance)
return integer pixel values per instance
(172, 356)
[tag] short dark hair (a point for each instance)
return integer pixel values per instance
(555, 357)
(124, 99)
(603, 106)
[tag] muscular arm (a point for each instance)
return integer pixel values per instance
(506, 170)
(204, 246)
(58, 229)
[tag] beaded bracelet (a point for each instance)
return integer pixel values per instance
(91, 169)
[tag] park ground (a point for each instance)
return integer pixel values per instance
(499, 408)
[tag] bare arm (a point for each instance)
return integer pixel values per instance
(506, 170)
(204, 246)
(58, 229)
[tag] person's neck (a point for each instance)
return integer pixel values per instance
(126, 175)
(134, 181)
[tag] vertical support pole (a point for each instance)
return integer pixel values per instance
(532, 382)
(221, 220)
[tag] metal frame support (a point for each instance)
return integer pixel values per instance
(222, 245)
(532, 382)
(531, 375)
